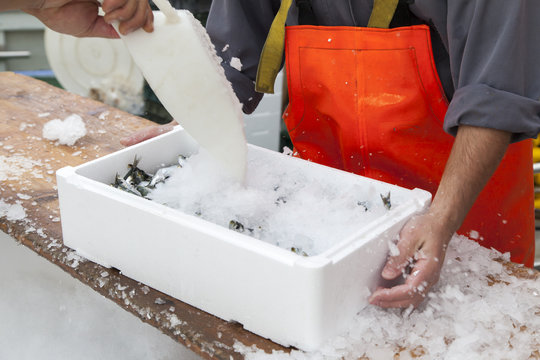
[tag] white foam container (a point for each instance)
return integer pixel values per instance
(273, 292)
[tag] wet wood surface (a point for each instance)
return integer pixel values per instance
(26, 105)
(28, 178)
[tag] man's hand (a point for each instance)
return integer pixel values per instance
(131, 14)
(475, 155)
(80, 17)
(422, 247)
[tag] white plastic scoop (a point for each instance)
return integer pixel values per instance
(179, 63)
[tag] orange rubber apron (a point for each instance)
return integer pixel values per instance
(369, 101)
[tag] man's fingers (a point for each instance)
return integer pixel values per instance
(149, 25)
(131, 16)
(417, 284)
(137, 20)
(140, 136)
(396, 264)
(399, 304)
(146, 134)
(400, 296)
(111, 5)
(101, 29)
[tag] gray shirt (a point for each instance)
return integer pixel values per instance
(486, 51)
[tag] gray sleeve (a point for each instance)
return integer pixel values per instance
(494, 57)
(238, 29)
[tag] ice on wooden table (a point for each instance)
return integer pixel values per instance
(66, 131)
(476, 311)
(15, 167)
(12, 211)
(285, 209)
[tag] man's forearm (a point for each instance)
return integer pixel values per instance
(474, 158)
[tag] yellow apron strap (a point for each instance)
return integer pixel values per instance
(382, 14)
(272, 53)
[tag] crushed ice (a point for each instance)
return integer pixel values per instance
(476, 311)
(14, 167)
(299, 214)
(12, 212)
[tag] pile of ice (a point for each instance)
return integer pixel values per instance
(283, 208)
(66, 131)
(12, 211)
(476, 311)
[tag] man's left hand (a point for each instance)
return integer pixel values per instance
(420, 256)
(475, 155)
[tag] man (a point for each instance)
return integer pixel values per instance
(80, 17)
(370, 101)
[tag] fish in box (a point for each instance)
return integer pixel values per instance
(276, 292)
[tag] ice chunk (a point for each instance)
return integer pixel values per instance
(66, 131)
(393, 249)
(236, 63)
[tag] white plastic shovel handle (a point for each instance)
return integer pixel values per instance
(167, 9)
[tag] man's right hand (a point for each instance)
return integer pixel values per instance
(81, 18)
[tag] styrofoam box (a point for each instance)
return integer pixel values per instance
(273, 292)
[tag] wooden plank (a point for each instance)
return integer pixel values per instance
(25, 105)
